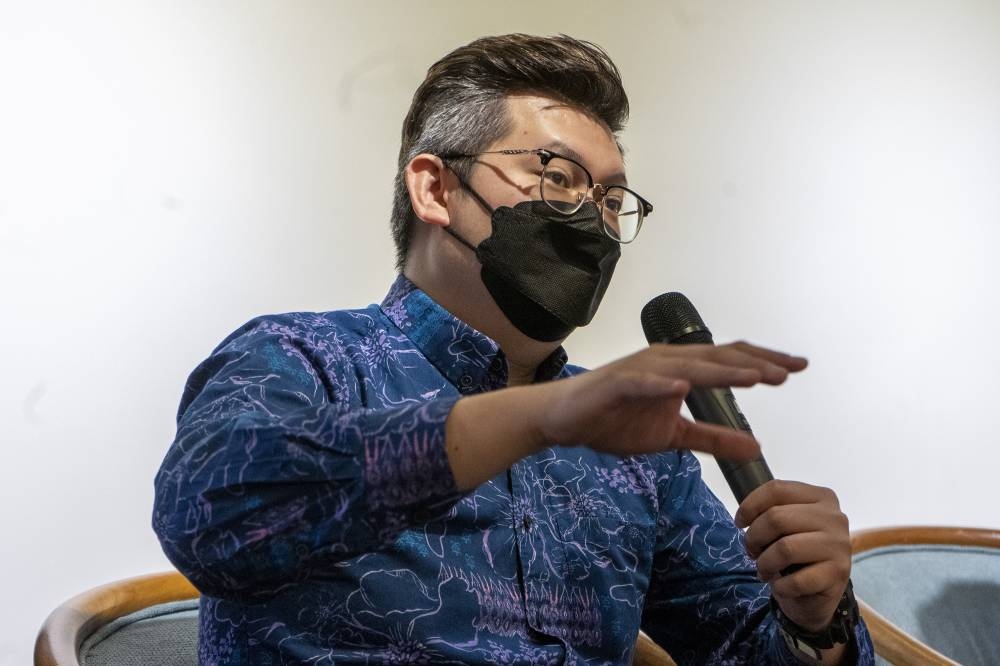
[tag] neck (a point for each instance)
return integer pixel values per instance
(520, 375)
(447, 271)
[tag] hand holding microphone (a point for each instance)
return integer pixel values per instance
(797, 532)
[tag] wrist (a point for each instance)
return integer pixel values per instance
(830, 657)
(487, 433)
(830, 640)
(535, 401)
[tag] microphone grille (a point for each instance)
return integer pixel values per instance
(672, 318)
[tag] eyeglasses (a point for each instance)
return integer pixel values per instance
(565, 185)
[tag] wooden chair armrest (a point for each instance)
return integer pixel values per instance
(648, 653)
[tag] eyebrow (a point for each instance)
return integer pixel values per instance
(561, 148)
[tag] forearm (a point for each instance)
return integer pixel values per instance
(485, 434)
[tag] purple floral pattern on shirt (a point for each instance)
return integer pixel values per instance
(308, 496)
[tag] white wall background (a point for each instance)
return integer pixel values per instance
(825, 179)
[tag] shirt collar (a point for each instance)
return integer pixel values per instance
(469, 359)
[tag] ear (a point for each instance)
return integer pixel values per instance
(426, 180)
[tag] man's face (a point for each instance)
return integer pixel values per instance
(506, 180)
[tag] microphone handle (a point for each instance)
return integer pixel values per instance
(718, 406)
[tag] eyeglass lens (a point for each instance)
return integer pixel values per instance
(565, 186)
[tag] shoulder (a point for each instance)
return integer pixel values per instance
(318, 342)
(305, 352)
(305, 328)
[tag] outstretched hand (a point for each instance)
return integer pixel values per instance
(632, 406)
(629, 407)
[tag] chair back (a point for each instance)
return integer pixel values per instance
(145, 620)
(930, 595)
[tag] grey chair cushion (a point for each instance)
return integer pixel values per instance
(165, 635)
(945, 596)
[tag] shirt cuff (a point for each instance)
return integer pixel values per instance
(407, 474)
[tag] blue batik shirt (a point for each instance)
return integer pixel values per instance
(309, 498)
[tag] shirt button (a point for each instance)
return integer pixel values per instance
(526, 522)
(495, 366)
(465, 381)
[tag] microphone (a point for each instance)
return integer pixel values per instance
(671, 318)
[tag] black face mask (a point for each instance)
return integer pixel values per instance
(546, 272)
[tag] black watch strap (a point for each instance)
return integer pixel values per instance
(839, 631)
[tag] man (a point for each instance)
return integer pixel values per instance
(428, 481)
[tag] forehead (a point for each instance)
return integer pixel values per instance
(542, 122)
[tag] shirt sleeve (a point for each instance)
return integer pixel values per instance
(705, 603)
(275, 476)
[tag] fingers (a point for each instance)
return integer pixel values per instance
(821, 579)
(772, 367)
(642, 385)
(641, 394)
(791, 523)
(716, 440)
(699, 371)
(771, 372)
(781, 521)
(774, 493)
(787, 361)
(806, 548)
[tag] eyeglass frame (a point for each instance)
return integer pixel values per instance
(546, 155)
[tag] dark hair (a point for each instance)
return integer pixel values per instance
(461, 107)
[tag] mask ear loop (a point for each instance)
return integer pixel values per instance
(475, 195)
